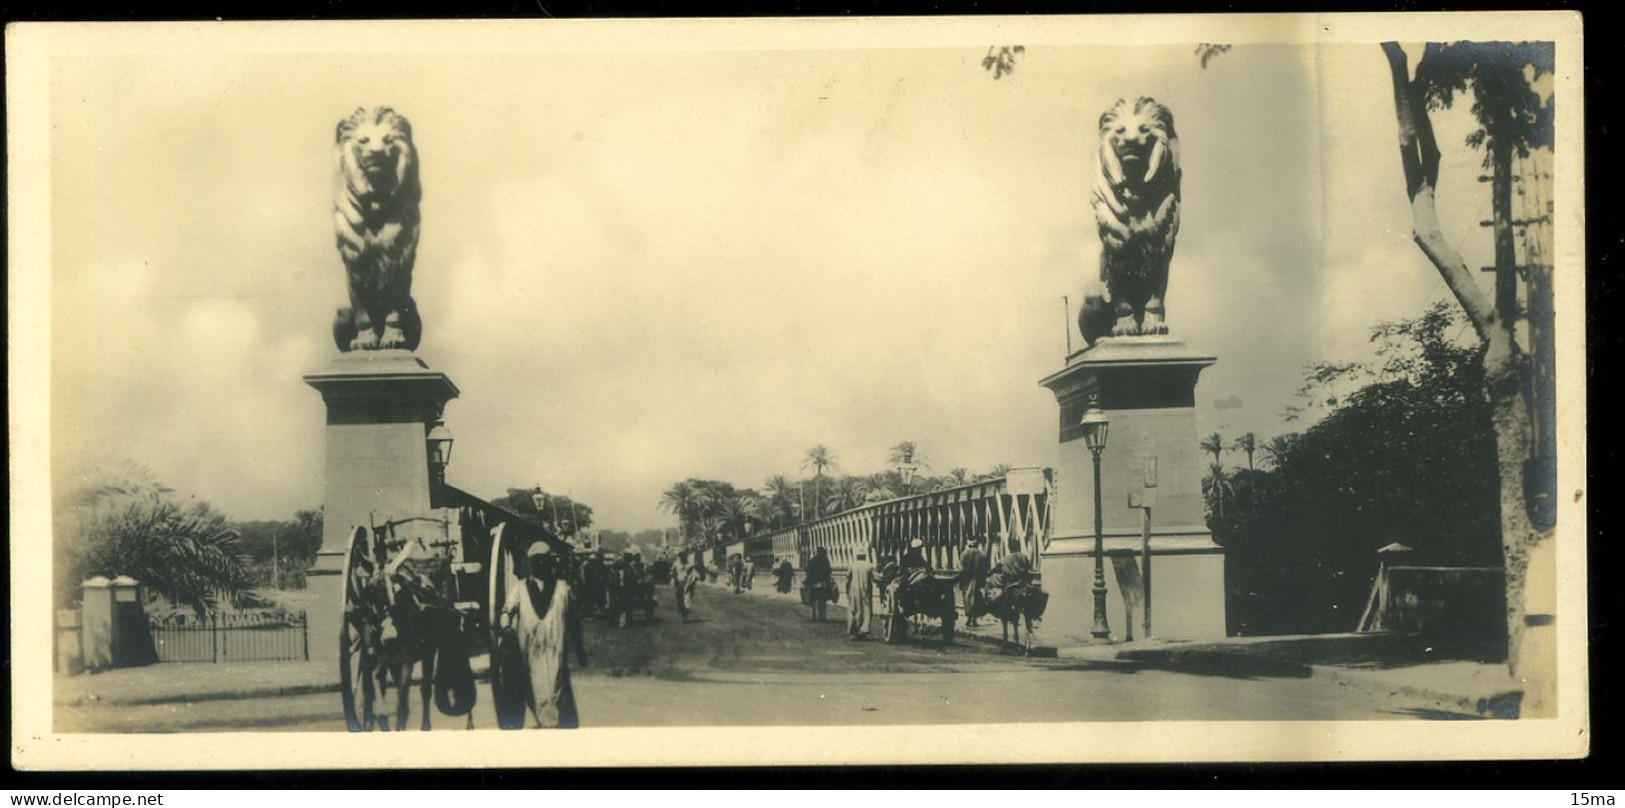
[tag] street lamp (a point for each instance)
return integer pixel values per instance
(439, 440)
(907, 470)
(1094, 436)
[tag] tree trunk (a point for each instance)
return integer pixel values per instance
(1509, 414)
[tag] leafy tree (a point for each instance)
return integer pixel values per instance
(1406, 457)
(1207, 51)
(1214, 445)
(294, 542)
(1514, 117)
(1002, 60)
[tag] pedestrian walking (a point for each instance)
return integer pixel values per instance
(860, 592)
(786, 576)
(973, 569)
(820, 582)
(684, 579)
(539, 615)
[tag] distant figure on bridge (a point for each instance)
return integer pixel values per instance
(973, 569)
(786, 576)
(860, 593)
(736, 572)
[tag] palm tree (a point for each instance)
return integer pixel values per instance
(1000, 470)
(846, 495)
(711, 508)
(128, 524)
(1276, 449)
(1247, 443)
(818, 459)
(782, 494)
(957, 476)
(1216, 487)
(733, 517)
(878, 487)
(681, 499)
(1213, 445)
(908, 453)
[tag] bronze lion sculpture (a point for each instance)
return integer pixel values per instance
(376, 223)
(1136, 204)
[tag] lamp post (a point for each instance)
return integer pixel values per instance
(1094, 436)
(907, 470)
(439, 440)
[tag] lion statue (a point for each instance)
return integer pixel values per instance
(1136, 203)
(376, 222)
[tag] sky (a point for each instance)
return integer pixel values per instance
(645, 266)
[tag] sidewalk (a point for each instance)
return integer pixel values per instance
(180, 682)
(1393, 666)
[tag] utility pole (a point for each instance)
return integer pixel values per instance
(276, 562)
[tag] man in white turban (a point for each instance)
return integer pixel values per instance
(539, 613)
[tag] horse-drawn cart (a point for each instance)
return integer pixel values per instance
(928, 598)
(426, 603)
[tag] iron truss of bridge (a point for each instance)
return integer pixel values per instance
(1014, 506)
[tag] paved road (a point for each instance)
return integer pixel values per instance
(760, 660)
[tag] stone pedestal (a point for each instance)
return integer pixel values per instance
(380, 408)
(1147, 388)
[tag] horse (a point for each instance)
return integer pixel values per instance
(1016, 606)
(419, 631)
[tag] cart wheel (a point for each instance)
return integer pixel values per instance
(508, 674)
(355, 681)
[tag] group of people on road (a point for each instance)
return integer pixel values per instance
(981, 584)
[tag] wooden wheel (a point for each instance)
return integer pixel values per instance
(355, 662)
(509, 678)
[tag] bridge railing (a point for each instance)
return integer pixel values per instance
(1014, 506)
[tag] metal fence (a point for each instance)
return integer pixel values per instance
(232, 637)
